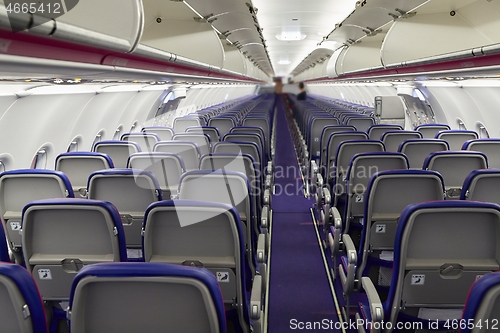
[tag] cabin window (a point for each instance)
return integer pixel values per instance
(461, 124)
(418, 94)
(169, 97)
(134, 125)
(40, 159)
(170, 104)
(118, 133)
(482, 131)
(2, 167)
(75, 143)
(97, 139)
(73, 146)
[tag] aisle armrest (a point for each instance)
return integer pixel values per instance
(256, 298)
(267, 197)
(376, 308)
(347, 269)
(261, 249)
(334, 237)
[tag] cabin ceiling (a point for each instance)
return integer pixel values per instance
(275, 35)
(286, 37)
(294, 28)
(251, 40)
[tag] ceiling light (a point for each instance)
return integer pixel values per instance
(284, 62)
(290, 36)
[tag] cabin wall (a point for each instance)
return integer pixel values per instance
(469, 104)
(473, 103)
(50, 117)
(355, 93)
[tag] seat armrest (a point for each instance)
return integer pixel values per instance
(327, 203)
(327, 197)
(256, 298)
(264, 218)
(267, 197)
(336, 218)
(269, 168)
(376, 308)
(261, 249)
(347, 274)
(313, 175)
(268, 183)
(316, 190)
(335, 231)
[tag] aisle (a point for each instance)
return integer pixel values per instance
(299, 293)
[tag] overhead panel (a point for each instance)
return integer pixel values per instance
(367, 24)
(70, 22)
(315, 58)
(440, 29)
(170, 26)
(332, 63)
(365, 55)
(369, 17)
(237, 24)
(125, 23)
(233, 59)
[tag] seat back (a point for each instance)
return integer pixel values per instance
(22, 306)
(383, 209)
(167, 168)
(258, 132)
(164, 133)
(144, 139)
(482, 185)
(315, 129)
(250, 129)
(240, 147)
(19, 187)
(456, 138)
(361, 168)
(201, 140)
(223, 124)
(228, 187)
(361, 123)
(429, 131)
(163, 298)
(393, 139)
(54, 260)
(430, 273)
(212, 132)
(248, 137)
(375, 132)
(243, 163)
(455, 166)
(117, 150)
(483, 304)
(490, 147)
(79, 165)
(417, 150)
(131, 191)
(346, 150)
(182, 123)
(215, 233)
(260, 122)
(186, 150)
(334, 141)
(325, 136)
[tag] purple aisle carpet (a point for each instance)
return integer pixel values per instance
(299, 295)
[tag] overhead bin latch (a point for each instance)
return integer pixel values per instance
(208, 18)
